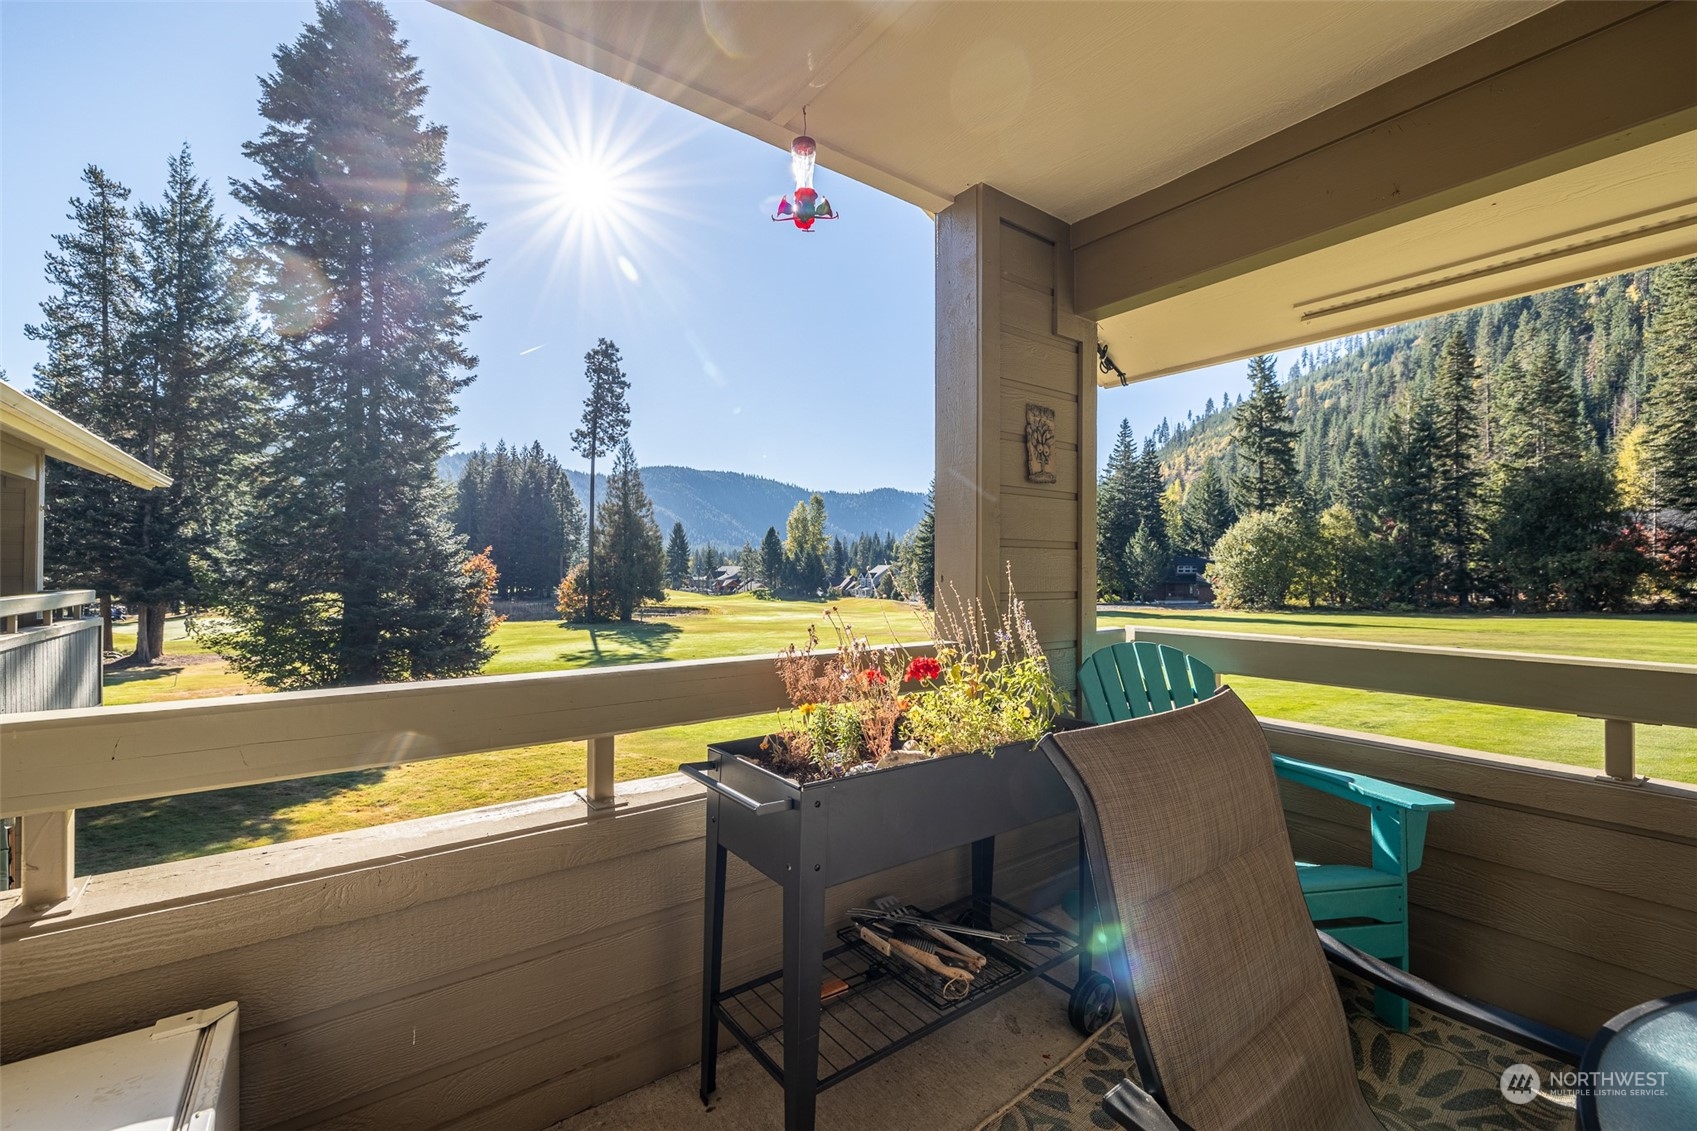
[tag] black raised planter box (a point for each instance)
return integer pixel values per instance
(807, 838)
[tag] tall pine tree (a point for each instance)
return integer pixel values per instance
(1117, 512)
(606, 422)
(919, 553)
(633, 558)
(351, 571)
(196, 354)
(1405, 503)
(771, 559)
(86, 326)
(1265, 439)
(1455, 462)
(677, 557)
(1147, 495)
(1206, 512)
(1672, 409)
(1537, 414)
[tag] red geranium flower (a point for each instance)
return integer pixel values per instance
(874, 677)
(923, 668)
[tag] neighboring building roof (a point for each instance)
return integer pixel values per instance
(25, 420)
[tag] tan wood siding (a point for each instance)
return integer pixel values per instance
(1007, 338)
(503, 968)
(17, 571)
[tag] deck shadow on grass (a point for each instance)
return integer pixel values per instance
(138, 833)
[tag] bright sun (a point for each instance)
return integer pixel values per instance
(580, 172)
(587, 187)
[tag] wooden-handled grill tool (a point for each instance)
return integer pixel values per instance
(907, 918)
(956, 980)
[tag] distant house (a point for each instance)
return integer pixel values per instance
(1185, 581)
(49, 654)
(868, 583)
(726, 579)
(50, 648)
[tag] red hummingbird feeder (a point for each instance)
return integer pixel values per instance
(808, 205)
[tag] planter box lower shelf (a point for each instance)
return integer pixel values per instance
(888, 1004)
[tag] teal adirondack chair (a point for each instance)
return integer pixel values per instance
(1365, 907)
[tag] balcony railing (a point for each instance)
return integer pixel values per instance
(61, 604)
(519, 963)
(1622, 693)
(59, 761)
(49, 651)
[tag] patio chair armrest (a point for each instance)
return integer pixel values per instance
(1358, 787)
(1136, 1110)
(1535, 1036)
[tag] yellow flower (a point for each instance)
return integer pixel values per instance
(808, 708)
(1025, 712)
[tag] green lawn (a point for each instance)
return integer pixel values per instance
(124, 836)
(1663, 752)
(176, 828)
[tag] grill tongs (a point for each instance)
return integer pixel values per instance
(906, 919)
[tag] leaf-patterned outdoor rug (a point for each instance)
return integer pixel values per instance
(1439, 1076)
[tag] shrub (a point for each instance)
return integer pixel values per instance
(570, 598)
(1264, 558)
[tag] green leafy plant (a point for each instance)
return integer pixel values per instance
(989, 685)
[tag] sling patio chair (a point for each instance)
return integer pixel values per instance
(1234, 1018)
(1366, 907)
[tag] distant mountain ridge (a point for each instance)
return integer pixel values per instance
(727, 508)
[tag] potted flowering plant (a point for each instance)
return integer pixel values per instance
(857, 709)
(887, 755)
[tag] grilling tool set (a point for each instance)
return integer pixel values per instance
(897, 931)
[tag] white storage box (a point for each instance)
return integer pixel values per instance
(180, 1075)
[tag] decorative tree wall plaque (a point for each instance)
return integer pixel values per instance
(1039, 443)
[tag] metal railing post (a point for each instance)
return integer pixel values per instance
(48, 847)
(1618, 751)
(599, 791)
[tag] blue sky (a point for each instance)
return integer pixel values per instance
(750, 346)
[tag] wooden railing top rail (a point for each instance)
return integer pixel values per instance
(56, 760)
(22, 604)
(1626, 690)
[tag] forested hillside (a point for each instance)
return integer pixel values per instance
(1539, 453)
(1350, 389)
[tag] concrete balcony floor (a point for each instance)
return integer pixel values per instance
(954, 1079)
(1431, 1077)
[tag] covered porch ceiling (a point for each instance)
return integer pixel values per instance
(1237, 176)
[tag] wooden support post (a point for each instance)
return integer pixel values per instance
(1618, 752)
(48, 872)
(598, 794)
(1016, 420)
